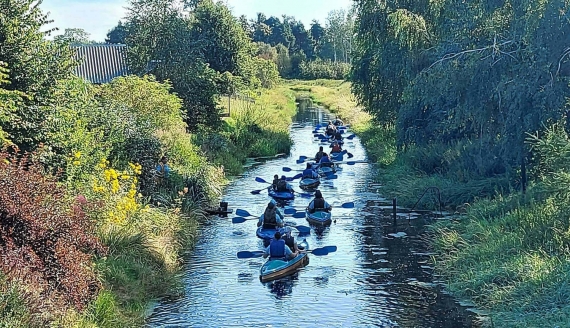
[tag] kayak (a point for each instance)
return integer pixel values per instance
(286, 195)
(309, 183)
(267, 234)
(323, 171)
(319, 218)
(337, 156)
(278, 268)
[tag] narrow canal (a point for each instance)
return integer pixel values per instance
(376, 278)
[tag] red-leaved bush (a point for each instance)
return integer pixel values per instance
(45, 242)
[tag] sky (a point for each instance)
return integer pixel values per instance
(97, 17)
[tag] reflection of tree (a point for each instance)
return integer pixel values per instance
(394, 266)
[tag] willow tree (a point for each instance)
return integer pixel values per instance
(469, 77)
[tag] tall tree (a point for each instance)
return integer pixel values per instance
(74, 36)
(118, 34)
(35, 64)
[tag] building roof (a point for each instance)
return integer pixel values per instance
(101, 63)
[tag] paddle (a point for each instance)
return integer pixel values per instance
(317, 251)
(350, 137)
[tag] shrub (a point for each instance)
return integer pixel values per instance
(43, 243)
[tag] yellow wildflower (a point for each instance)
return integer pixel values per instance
(77, 155)
(76, 163)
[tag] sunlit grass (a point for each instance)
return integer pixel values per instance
(511, 256)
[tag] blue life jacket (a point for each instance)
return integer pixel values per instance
(277, 248)
(325, 160)
(308, 173)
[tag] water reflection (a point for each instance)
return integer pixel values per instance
(373, 280)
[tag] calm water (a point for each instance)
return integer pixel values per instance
(373, 280)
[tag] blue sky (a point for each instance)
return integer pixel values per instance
(97, 17)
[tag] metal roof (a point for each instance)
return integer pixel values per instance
(101, 63)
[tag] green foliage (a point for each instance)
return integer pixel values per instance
(9, 102)
(35, 65)
(463, 81)
(74, 36)
(313, 70)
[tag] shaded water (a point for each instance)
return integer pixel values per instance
(373, 280)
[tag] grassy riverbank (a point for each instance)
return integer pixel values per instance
(509, 253)
(143, 227)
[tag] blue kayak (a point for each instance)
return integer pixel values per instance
(267, 234)
(286, 195)
(337, 156)
(278, 268)
(319, 218)
(323, 171)
(309, 183)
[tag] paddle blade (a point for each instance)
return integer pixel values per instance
(330, 249)
(351, 163)
(319, 251)
(350, 137)
(298, 215)
(298, 176)
(289, 179)
(350, 155)
(238, 219)
(287, 169)
(289, 211)
(256, 192)
(248, 255)
(300, 161)
(240, 212)
(348, 205)
(303, 229)
(303, 157)
(258, 179)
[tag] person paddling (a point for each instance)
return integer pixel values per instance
(283, 186)
(336, 148)
(338, 122)
(319, 154)
(325, 161)
(319, 204)
(272, 218)
(309, 173)
(278, 250)
(275, 181)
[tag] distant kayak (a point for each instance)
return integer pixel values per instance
(309, 183)
(286, 195)
(319, 218)
(323, 171)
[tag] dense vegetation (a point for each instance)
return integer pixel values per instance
(88, 233)
(472, 97)
(299, 52)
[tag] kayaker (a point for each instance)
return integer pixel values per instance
(331, 129)
(277, 249)
(309, 173)
(319, 204)
(337, 136)
(325, 161)
(319, 155)
(275, 181)
(271, 218)
(338, 122)
(290, 241)
(336, 148)
(283, 185)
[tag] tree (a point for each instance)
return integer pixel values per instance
(74, 36)
(35, 64)
(118, 34)
(160, 43)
